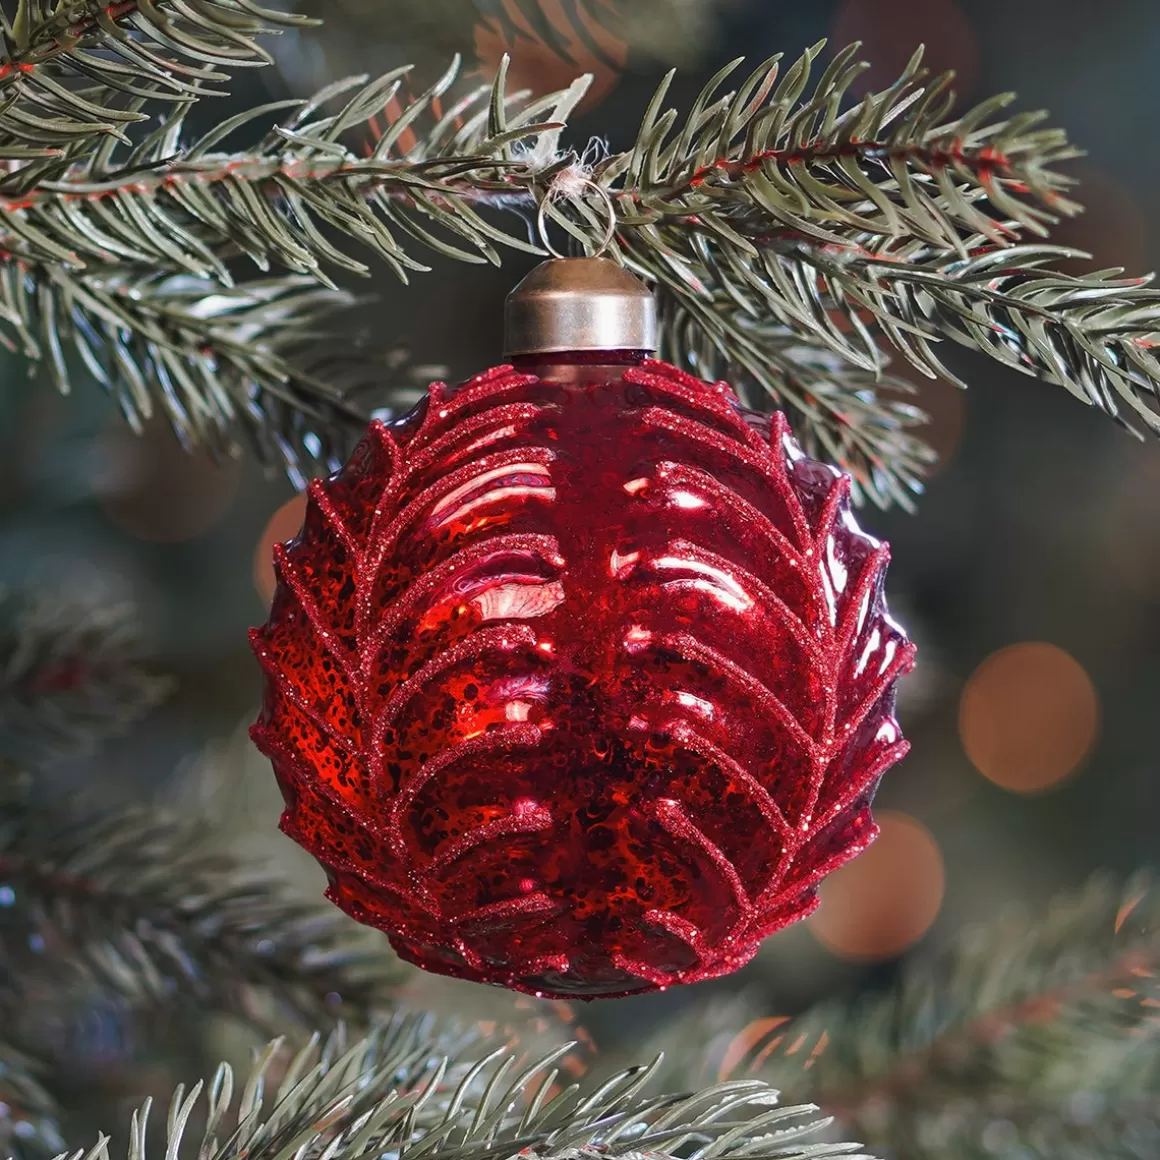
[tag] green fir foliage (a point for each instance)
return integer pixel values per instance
(135, 904)
(1030, 1037)
(410, 1090)
(72, 673)
(794, 235)
(28, 1114)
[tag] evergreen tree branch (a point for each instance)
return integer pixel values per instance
(71, 674)
(227, 366)
(768, 212)
(408, 1092)
(1036, 1038)
(771, 157)
(227, 363)
(28, 1116)
(490, 150)
(273, 202)
(188, 208)
(132, 903)
(163, 50)
(1093, 335)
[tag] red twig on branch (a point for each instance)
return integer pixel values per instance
(989, 161)
(989, 1028)
(59, 42)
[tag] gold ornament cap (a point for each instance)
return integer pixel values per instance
(579, 304)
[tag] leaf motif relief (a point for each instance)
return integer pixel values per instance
(576, 688)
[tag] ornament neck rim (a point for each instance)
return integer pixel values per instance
(601, 357)
(568, 305)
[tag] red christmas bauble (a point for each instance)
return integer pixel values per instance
(580, 679)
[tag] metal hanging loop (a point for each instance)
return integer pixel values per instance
(609, 207)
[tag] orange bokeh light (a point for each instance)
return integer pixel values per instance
(152, 488)
(284, 525)
(885, 899)
(1028, 716)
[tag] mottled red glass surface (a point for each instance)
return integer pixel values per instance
(580, 679)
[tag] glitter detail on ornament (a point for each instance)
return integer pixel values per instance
(580, 681)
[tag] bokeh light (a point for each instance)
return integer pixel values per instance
(890, 31)
(151, 488)
(876, 906)
(1028, 716)
(537, 64)
(284, 525)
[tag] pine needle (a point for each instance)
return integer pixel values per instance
(134, 51)
(1031, 1037)
(408, 1091)
(28, 1116)
(71, 674)
(132, 904)
(794, 236)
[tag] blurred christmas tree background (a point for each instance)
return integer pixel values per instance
(1028, 577)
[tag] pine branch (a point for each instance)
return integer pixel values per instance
(71, 674)
(408, 1092)
(28, 1116)
(131, 903)
(771, 212)
(225, 362)
(188, 207)
(1029, 1038)
(769, 157)
(767, 213)
(267, 197)
(1093, 334)
(227, 366)
(163, 50)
